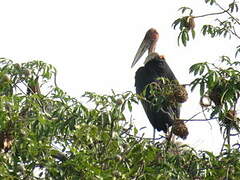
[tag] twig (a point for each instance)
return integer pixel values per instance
(233, 31)
(141, 137)
(55, 78)
(223, 145)
(20, 89)
(185, 84)
(211, 14)
(195, 115)
(234, 134)
(198, 119)
(125, 131)
(218, 13)
(206, 117)
(227, 11)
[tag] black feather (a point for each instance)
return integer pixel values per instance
(153, 69)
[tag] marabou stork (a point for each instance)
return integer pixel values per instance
(154, 67)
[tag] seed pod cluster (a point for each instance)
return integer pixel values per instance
(6, 141)
(33, 87)
(215, 94)
(119, 102)
(205, 101)
(230, 117)
(117, 174)
(180, 94)
(26, 72)
(5, 79)
(180, 129)
(118, 157)
(187, 22)
(173, 92)
(190, 22)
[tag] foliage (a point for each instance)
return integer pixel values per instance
(47, 134)
(165, 96)
(54, 136)
(222, 27)
(219, 86)
(165, 92)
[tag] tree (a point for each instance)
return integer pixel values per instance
(45, 133)
(52, 135)
(220, 85)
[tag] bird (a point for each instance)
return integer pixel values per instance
(155, 67)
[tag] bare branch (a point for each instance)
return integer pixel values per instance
(211, 14)
(234, 32)
(198, 119)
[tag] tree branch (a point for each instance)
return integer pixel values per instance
(218, 13)
(227, 11)
(198, 119)
(211, 14)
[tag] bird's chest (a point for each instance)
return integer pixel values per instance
(150, 77)
(154, 72)
(145, 78)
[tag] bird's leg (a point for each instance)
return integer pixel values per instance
(170, 136)
(167, 139)
(154, 131)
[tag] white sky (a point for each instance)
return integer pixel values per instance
(92, 44)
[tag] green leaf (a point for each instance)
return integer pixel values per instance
(179, 37)
(204, 29)
(210, 1)
(202, 88)
(195, 83)
(176, 22)
(212, 79)
(184, 38)
(193, 68)
(183, 9)
(236, 7)
(193, 33)
(129, 106)
(42, 120)
(214, 112)
(238, 50)
(201, 69)
(135, 131)
(187, 36)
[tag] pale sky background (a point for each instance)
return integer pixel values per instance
(92, 44)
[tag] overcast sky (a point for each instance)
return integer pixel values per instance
(92, 43)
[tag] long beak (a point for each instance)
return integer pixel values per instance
(145, 45)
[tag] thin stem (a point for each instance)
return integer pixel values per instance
(211, 14)
(206, 118)
(223, 145)
(195, 115)
(20, 89)
(198, 119)
(227, 11)
(234, 32)
(228, 136)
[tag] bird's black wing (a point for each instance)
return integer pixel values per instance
(160, 119)
(161, 69)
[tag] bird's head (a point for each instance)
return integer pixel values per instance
(149, 43)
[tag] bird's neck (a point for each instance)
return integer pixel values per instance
(152, 48)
